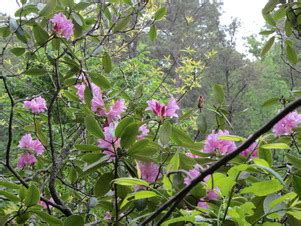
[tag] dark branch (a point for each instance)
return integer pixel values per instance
(175, 200)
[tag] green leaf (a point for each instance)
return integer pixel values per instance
(296, 181)
(40, 35)
(26, 10)
(18, 51)
(78, 19)
(291, 54)
(285, 198)
(267, 46)
(294, 160)
(48, 218)
(122, 126)
(231, 138)
(68, 3)
(35, 71)
(49, 8)
(9, 196)
(270, 6)
(126, 181)
(180, 137)
(122, 24)
(93, 127)
(266, 155)
(268, 32)
(160, 14)
(263, 188)
(144, 150)
(100, 81)
(295, 213)
(32, 195)
(129, 135)
(288, 28)
(74, 220)
(87, 147)
(184, 219)
(137, 196)
(22, 193)
(81, 6)
(271, 171)
(88, 96)
(152, 33)
(275, 146)
(280, 13)
(9, 185)
(103, 184)
(4, 32)
(165, 133)
(107, 63)
(174, 163)
(219, 94)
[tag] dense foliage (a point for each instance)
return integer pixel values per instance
(127, 112)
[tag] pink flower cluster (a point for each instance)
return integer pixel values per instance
(213, 143)
(163, 110)
(114, 112)
(212, 195)
(62, 26)
(36, 105)
(81, 90)
(30, 145)
(110, 142)
(195, 172)
(286, 125)
(26, 159)
(149, 171)
(97, 104)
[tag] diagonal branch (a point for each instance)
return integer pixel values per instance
(175, 200)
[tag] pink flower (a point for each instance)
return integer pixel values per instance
(251, 150)
(162, 110)
(96, 91)
(37, 105)
(213, 194)
(203, 204)
(149, 171)
(286, 125)
(62, 26)
(80, 91)
(110, 143)
(143, 132)
(26, 159)
(195, 172)
(28, 143)
(98, 106)
(213, 143)
(115, 111)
